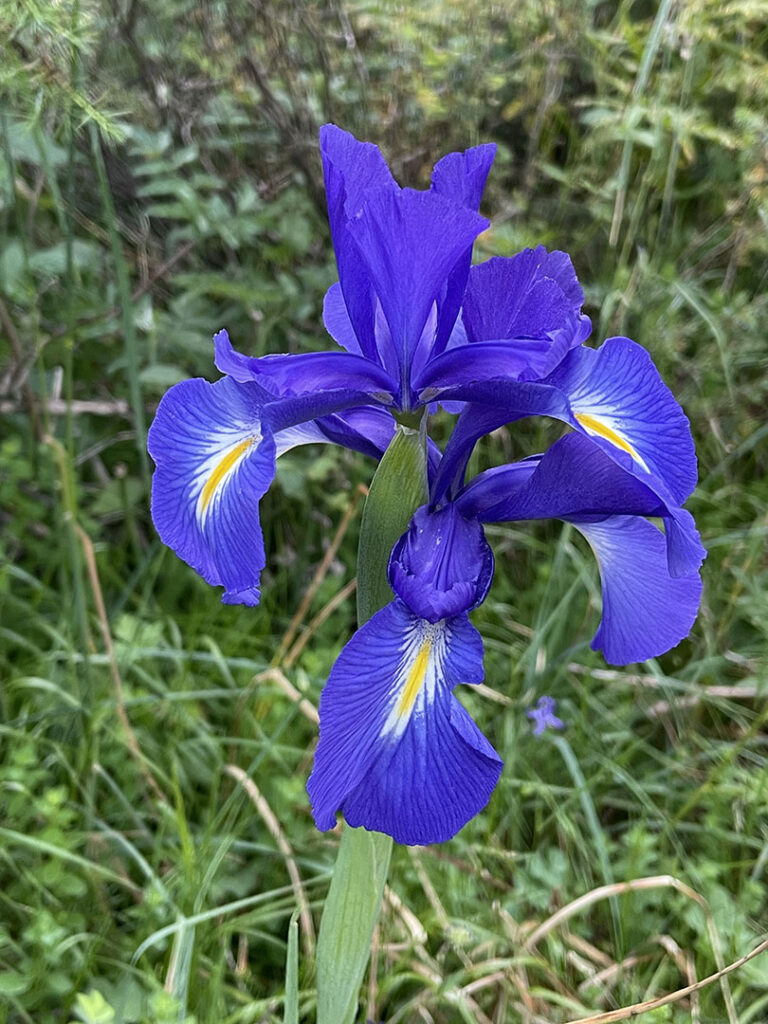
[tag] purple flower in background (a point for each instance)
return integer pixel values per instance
(543, 716)
(413, 322)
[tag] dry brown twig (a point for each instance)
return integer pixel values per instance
(639, 885)
(114, 670)
(319, 576)
(325, 613)
(628, 1012)
(269, 818)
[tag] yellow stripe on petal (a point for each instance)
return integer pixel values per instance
(415, 680)
(220, 472)
(594, 425)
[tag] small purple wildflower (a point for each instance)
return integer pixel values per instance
(543, 716)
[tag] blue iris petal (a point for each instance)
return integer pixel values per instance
(351, 169)
(613, 395)
(337, 321)
(685, 552)
(617, 397)
(410, 242)
(460, 177)
(520, 316)
(574, 477)
(651, 588)
(215, 458)
(415, 248)
(397, 752)
(509, 401)
(526, 296)
(215, 447)
(442, 565)
(646, 611)
(346, 378)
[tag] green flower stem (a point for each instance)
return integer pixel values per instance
(354, 898)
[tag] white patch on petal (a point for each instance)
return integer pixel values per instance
(601, 421)
(418, 674)
(226, 452)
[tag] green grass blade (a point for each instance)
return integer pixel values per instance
(291, 1009)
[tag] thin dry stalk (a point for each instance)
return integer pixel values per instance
(276, 676)
(637, 885)
(319, 576)
(609, 975)
(493, 695)
(301, 642)
(413, 926)
(109, 647)
(518, 974)
(267, 815)
(591, 952)
(59, 407)
(684, 960)
(628, 1012)
(741, 692)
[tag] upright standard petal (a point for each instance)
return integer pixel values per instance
(528, 295)
(215, 458)
(410, 242)
(351, 169)
(337, 321)
(460, 177)
(646, 611)
(397, 752)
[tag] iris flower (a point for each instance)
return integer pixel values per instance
(417, 326)
(413, 324)
(397, 752)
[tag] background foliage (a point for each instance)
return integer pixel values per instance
(159, 179)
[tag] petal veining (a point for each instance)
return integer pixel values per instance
(218, 470)
(617, 396)
(215, 458)
(397, 752)
(600, 423)
(415, 683)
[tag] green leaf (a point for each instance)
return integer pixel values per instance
(399, 487)
(160, 376)
(92, 1008)
(12, 983)
(350, 915)
(291, 1012)
(52, 262)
